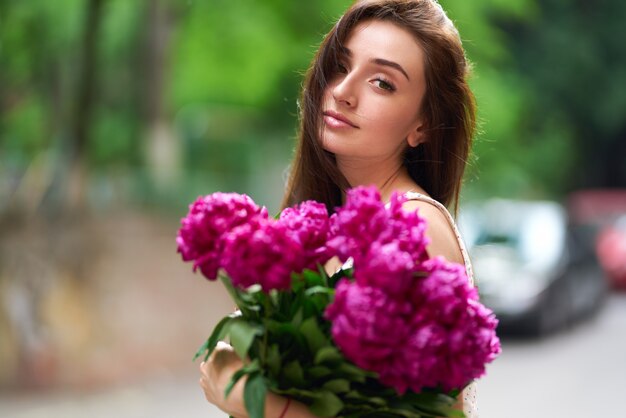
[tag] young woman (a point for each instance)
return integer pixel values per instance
(386, 102)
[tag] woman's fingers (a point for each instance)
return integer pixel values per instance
(222, 345)
(224, 360)
(215, 374)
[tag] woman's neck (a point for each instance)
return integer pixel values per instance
(387, 178)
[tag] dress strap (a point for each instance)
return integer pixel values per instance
(466, 260)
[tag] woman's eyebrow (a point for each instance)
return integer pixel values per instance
(381, 61)
(387, 63)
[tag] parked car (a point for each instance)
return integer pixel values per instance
(611, 250)
(527, 266)
(603, 213)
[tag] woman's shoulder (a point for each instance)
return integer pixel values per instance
(439, 230)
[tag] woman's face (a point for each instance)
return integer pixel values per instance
(372, 103)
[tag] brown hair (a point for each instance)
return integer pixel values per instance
(448, 107)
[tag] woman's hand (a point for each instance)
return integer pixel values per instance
(216, 373)
(215, 376)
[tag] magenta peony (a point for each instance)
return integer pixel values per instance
(429, 333)
(262, 252)
(309, 225)
(408, 229)
(201, 236)
(453, 336)
(369, 327)
(415, 321)
(387, 267)
(364, 219)
(444, 289)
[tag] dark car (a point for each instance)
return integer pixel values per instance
(528, 267)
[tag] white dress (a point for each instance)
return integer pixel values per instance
(469, 393)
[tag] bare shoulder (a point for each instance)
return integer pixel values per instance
(443, 240)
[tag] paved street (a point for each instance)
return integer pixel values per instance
(578, 373)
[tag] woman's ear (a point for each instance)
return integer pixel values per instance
(416, 136)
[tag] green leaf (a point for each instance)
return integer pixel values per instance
(297, 283)
(242, 334)
(204, 347)
(253, 297)
(218, 333)
(415, 411)
(233, 381)
(286, 331)
(428, 404)
(312, 278)
(322, 272)
(280, 328)
(328, 354)
(247, 307)
(319, 290)
(275, 297)
(454, 393)
(327, 404)
(251, 367)
(373, 401)
(321, 301)
(354, 373)
(315, 338)
(317, 372)
(293, 373)
(377, 401)
(310, 308)
(337, 385)
(429, 398)
(273, 360)
(297, 317)
(254, 394)
(301, 394)
(388, 412)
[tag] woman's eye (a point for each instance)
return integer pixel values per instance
(342, 69)
(385, 85)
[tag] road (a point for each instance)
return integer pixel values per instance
(580, 372)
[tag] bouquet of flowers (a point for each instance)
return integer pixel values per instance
(393, 333)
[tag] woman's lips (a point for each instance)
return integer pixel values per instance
(337, 120)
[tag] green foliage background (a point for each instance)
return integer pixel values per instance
(549, 76)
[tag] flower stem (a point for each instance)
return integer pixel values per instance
(266, 313)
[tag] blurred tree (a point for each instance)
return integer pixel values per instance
(217, 78)
(46, 131)
(499, 165)
(37, 55)
(84, 104)
(162, 149)
(571, 54)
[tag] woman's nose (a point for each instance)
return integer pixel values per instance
(343, 91)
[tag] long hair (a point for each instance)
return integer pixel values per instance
(448, 107)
